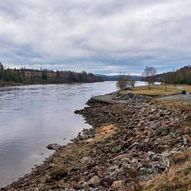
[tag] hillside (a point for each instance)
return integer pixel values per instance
(31, 76)
(180, 76)
(116, 77)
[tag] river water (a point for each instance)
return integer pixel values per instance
(31, 117)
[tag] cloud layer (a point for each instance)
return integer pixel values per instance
(99, 36)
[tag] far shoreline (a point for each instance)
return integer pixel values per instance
(12, 84)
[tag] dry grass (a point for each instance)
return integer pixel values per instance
(177, 179)
(106, 131)
(177, 104)
(159, 90)
(103, 132)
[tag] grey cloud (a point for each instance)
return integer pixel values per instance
(97, 36)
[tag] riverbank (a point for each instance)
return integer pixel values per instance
(132, 140)
(8, 84)
(12, 84)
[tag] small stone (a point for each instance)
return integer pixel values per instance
(94, 181)
(185, 141)
(188, 140)
(161, 166)
(86, 160)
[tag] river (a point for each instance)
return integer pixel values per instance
(31, 117)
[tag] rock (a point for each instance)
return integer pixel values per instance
(125, 164)
(185, 141)
(130, 95)
(114, 171)
(86, 160)
(53, 146)
(136, 144)
(163, 131)
(118, 184)
(161, 166)
(122, 156)
(188, 138)
(94, 181)
(151, 117)
(150, 154)
(106, 181)
(153, 126)
(153, 156)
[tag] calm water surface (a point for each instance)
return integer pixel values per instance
(31, 117)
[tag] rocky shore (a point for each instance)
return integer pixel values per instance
(132, 139)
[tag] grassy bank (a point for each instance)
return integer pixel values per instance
(7, 84)
(159, 90)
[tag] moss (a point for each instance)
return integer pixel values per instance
(58, 173)
(187, 171)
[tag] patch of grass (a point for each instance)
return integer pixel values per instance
(158, 90)
(177, 104)
(104, 132)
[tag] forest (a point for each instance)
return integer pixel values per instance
(44, 76)
(180, 76)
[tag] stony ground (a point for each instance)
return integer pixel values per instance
(129, 143)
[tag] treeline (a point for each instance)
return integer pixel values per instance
(44, 76)
(10, 75)
(180, 76)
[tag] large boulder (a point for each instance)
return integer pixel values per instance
(53, 146)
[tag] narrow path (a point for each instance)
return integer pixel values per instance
(108, 98)
(181, 97)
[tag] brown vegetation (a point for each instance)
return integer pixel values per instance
(159, 90)
(178, 178)
(149, 75)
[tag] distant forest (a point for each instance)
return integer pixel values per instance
(44, 76)
(180, 76)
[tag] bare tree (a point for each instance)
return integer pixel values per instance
(150, 75)
(122, 82)
(131, 83)
(164, 81)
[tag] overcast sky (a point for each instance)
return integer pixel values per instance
(101, 36)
